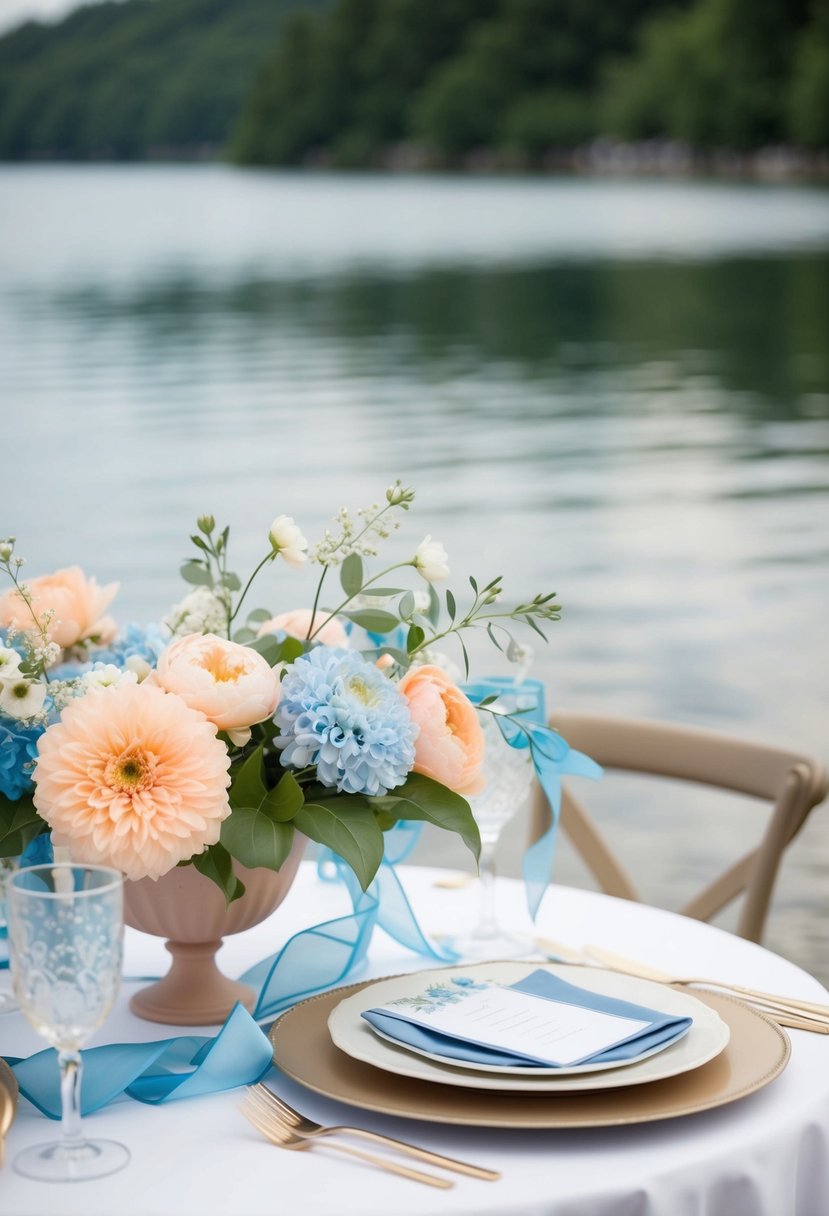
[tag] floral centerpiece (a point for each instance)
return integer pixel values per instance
(217, 735)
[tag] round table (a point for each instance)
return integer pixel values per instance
(765, 1155)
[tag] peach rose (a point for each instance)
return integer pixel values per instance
(130, 777)
(450, 745)
(298, 625)
(232, 685)
(78, 604)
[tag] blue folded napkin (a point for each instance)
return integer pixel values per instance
(661, 1031)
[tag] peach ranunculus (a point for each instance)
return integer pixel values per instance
(78, 604)
(232, 685)
(131, 777)
(450, 744)
(298, 624)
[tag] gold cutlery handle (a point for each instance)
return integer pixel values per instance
(792, 1005)
(424, 1154)
(383, 1163)
(784, 1002)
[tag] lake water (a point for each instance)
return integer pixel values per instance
(615, 390)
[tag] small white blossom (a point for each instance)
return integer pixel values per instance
(22, 698)
(437, 658)
(431, 560)
(106, 675)
(422, 601)
(202, 611)
(288, 541)
(139, 667)
(9, 663)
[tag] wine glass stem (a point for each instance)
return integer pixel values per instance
(71, 1067)
(487, 921)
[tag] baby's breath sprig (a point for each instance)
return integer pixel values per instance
(41, 652)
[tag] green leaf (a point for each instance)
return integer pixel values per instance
(244, 635)
(493, 638)
(194, 572)
(385, 592)
(231, 581)
(473, 584)
(434, 607)
(414, 638)
(374, 619)
(450, 605)
(273, 651)
(19, 825)
(255, 839)
(199, 543)
(217, 865)
(257, 616)
(422, 798)
(406, 606)
(248, 785)
(351, 574)
(465, 658)
(284, 800)
(347, 824)
(531, 622)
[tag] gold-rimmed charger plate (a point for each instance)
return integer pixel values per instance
(757, 1052)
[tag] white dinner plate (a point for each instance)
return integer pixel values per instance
(707, 1037)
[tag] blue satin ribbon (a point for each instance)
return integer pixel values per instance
(310, 962)
(552, 759)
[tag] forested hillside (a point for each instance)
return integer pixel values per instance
(373, 83)
(132, 80)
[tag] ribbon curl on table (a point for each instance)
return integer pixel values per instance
(552, 759)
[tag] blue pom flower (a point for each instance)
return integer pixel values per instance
(18, 749)
(340, 713)
(134, 642)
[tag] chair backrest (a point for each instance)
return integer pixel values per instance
(791, 782)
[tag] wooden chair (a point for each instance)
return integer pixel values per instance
(793, 783)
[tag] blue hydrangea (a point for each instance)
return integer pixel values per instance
(339, 713)
(134, 641)
(18, 748)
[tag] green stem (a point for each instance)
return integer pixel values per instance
(348, 599)
(316, 602)
(267, 558)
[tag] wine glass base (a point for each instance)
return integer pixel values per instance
(56, 1163)
(8, 1004)
(487, 947)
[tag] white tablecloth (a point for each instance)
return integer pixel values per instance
(766, 1155)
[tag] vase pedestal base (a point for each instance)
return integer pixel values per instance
(193, 992)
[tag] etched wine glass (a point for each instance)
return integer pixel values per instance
(509, 776)
(65, 948)
(7, 1002)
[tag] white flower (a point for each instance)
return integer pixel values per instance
(22, 698)
(106, 675)
(431, 560)
(202, 611)
(139, 667)
(288, 541)
(9, 663)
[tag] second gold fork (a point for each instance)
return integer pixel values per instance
(303, 1126)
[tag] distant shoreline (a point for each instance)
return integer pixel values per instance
(603, 158)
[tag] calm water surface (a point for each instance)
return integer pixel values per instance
(618, 391)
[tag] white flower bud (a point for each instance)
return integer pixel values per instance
(288, 541)
(431, 560)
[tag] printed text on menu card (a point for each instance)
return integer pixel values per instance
(550, 1032)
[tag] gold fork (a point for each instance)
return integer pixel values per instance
(305, 1127)
(277, 1132)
